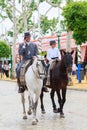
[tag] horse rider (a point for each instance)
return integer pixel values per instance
(28, 51)
(52, 54)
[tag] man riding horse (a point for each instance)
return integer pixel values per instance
(28, 51)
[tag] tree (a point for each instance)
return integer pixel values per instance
(48, 24)
(4, 50)
(75, 15)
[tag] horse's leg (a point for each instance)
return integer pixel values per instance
(60, 101)
(30, 106)
(41, 100)
(34, 107)
(63, 100)
(52, 99)
(23, 103)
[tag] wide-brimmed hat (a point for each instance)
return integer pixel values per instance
(52, 42)
(27, 34)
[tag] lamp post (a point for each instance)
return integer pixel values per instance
(10, 60)
(58, 34)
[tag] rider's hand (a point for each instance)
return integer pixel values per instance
(34, 57)
(23, 46)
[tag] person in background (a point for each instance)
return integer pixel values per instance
(6, 67)
(74, 68)
(3, 69)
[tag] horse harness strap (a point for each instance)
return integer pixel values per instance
(44, 73)
(39, 73)
(34, 71)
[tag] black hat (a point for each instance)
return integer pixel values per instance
(27, 34)
(52, 42)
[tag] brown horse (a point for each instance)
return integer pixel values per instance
(59, 81)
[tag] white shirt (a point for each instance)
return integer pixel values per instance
(52, 53)
(74, 67)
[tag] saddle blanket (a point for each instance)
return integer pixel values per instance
(23, 71)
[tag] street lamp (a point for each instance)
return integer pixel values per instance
(11, 60)
(58, 34)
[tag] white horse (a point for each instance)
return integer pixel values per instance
(34, 82)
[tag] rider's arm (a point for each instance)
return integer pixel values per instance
(21, 49)
(35, 50)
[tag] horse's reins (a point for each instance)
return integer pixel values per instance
(39, 73)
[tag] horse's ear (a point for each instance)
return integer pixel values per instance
(72, 52)
(63, 52)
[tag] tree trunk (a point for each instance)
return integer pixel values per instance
(24, 14)
(14, 40)
(68, 43)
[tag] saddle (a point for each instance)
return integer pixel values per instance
(49, 80)
(23, 71)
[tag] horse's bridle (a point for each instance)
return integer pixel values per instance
(39, 73)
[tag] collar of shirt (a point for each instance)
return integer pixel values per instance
(28, 43)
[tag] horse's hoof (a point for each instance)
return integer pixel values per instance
(55, 110)
(58, 110)
(29, 112)
(34, 122)
(24, 117)
(43, 111)
(37, 120)
(62, 115)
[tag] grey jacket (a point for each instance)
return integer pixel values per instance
(29, 51)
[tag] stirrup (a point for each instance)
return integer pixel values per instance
(21, 90)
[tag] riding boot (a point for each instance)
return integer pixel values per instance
(21, 88)
(48, 79)
(44, 89)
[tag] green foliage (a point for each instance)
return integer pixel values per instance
(55, 1)
(19, 1)
(43, 53)
(47, 24)
(33, 5)
(75, 15)
(10, 33)
(41, 0)
(9, 12)
(68, 1)
(4, 49)
(6, 8)
(2, 4)
(63, 25)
